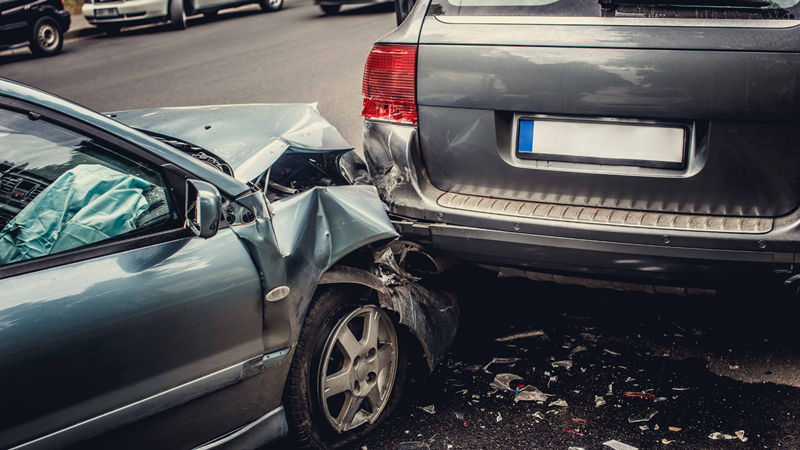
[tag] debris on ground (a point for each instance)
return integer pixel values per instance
(538, 415)
(666, 441)
(575, 350)
(524, 334)
(610, 389)
(639, 394)
(643, 416)
(610, 352)
(573, 431)
(599, 401)
(589, 337)
(738, 435)
(559, 402)
(430, 409)
(617, 445)
(530, 394)
(675, 429)
(503, 381)
(499, 361)
(565, 363)
(499, 417)
(413, 446)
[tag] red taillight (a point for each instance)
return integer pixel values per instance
(390, 84)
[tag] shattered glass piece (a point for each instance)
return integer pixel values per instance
(611, 352)
(599, 401)
(643, 416)
(522, 335)
(499, 361)
(589, 337)
(575, 350)
(530, 394)
(499, 417)
(740, 435)
(565, 363)
(559, 402)
(617, 445)
(502, 381)
(430, 409)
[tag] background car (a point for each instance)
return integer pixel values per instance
(625, 144)
(189, 283)
(39, 25)
(331, 7)
(111, 15)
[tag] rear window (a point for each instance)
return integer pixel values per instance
(678, 9)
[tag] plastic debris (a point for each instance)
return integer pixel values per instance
(644, 427)
(610, 352)
(680, 389)
(599, 401)
(659, 399)
(413, 446)
(530, 394)
(643, 416)
(617, 445)
(499, 361)
(575, 350)
(460, 416)
(573, 431)
(430, 409)
(502, 381)
(524, 334)
(738, 435)
(558, 402)
(565, 363)
(675, 429)
(610, 389)
(639, 395)
(589, 337)
(499, 417)
(666, 441)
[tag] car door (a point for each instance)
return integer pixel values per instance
(13, 22)
(109, 310)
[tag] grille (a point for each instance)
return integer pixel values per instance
(606, 216)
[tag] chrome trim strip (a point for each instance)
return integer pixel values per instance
(606, 216)
(268, 428)
(617, 21)
(146, 407)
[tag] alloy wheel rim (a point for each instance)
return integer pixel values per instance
(275, 3)
(48, 37)
(359, 363)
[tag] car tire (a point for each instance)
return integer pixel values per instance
(330, 10)
(47, 39)
(177, 15)
(270, 5)
(373, 371)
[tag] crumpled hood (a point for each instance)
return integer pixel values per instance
(249, 138)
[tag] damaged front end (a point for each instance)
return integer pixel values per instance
(310, 204)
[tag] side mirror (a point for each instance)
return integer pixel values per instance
(203, 208)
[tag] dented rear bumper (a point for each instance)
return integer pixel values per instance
(670, 256)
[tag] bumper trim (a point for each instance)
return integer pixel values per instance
(606, 216)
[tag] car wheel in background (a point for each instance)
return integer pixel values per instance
(47, 38)
(271, 5)
(347, 372)
(330, 9)
(177, 15)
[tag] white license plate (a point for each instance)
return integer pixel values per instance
(601, 143)
(106, 13)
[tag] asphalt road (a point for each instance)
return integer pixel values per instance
(296, 55)
(703, 365)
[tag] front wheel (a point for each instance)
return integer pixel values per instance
(330, 9)
(271, 5)
(177, 15)
(347, 372)
(47, 38)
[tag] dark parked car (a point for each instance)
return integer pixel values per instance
(38, 24)
(206, 277)
(629, 144)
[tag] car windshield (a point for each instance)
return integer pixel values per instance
(685, 9)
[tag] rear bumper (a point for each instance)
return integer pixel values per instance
(664, 256)
(129, 11)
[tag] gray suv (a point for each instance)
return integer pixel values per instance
(627, 144)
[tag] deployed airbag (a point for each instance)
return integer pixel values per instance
(86, 204)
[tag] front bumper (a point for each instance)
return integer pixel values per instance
(637, 254)
(129, 11)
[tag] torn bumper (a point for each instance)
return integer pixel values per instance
(670, 257)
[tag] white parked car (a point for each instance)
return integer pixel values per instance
(111, 15)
